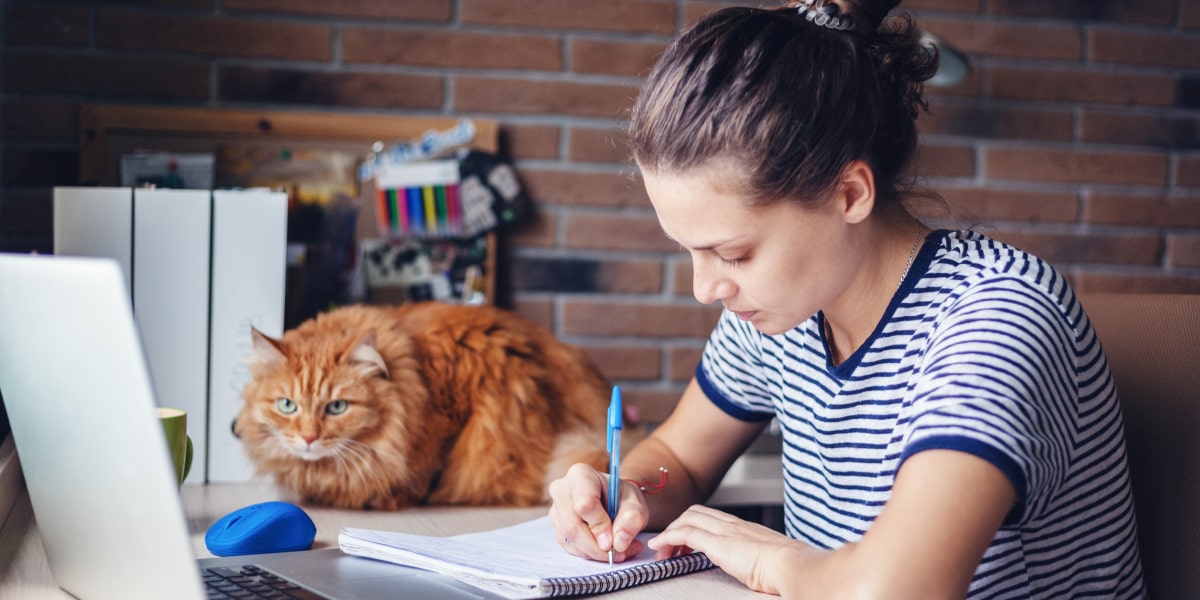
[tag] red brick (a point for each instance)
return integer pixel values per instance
(683, 362)
(945, 161)
(652, 405)
(682, 276)
(325, 88)
(964, 6)
(1183, 251)
(586, 317)
(584, 189)
(530, 141)
(218, 36)
(536, 230)
(1151, 211)
(1008, 39)
(41, 120)
(1135, 281)
(993, 122)
(631, 16)
(27, 212)
(1085, 87)
(599, 145)
(524, 96)
(607, 57)
(627, 362)
(451, 49)
(694, 11)
(1070, 248)
(46, 26)
(1068, 166)
(537, 309)
(1157, 48)
(1189, 14)
(1153, 12)
(981, 205)
(616, 232)
(408, 10)
(1187, 171)
(143, 78)
(1155, 129)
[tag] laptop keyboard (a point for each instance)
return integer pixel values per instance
(251, 581)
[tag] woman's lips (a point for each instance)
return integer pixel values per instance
(745, 315)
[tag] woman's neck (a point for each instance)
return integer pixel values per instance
(853, 318)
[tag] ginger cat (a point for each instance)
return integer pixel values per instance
(385, 407)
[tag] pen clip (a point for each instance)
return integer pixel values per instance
(615, 421)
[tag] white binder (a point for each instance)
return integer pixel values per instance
(245, 293)
(202, 267)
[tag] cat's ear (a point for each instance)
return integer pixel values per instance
(365, 355)
(266, 350)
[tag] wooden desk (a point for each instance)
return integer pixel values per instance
(24, 574)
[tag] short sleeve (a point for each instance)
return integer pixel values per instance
(731, 371)
(999, 382)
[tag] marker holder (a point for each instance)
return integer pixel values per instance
(419, 200)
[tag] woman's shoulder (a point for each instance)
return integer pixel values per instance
(969, 258)
(970, 266)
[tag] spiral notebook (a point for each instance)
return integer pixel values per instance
(522, 561)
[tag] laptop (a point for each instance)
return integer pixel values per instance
(81, 404)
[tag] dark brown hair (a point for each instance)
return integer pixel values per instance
(787, 100)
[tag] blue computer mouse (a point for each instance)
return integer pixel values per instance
(261, 529)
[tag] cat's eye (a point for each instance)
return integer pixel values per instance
(337, 407)
(286, 406)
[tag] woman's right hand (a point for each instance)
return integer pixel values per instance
(580, 519)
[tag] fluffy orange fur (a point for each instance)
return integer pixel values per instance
(387, 407)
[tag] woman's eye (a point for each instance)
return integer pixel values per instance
(337, 407)
(285, 406)
(733, 262)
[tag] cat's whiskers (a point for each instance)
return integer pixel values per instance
(361, 453)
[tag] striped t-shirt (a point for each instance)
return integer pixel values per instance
(983, 349)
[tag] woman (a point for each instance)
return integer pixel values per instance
(950, 426)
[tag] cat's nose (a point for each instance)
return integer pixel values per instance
(308, 438)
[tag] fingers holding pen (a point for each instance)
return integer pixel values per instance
(631, 520)
(577, 503)
(580, 518)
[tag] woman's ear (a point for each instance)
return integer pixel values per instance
(857, 191)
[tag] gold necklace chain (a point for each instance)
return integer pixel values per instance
(912, 253)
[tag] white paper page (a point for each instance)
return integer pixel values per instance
(526, 552)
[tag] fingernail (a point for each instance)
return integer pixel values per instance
(621, 540)
(604, 540)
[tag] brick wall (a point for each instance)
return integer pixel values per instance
(1075, 135)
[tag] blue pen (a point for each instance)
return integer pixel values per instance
(614, 459)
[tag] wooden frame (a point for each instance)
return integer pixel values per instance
(107, 130)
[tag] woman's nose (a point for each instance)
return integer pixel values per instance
(709, 287)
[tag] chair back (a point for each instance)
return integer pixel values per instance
(1152, 342)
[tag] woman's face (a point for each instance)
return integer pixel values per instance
(774, 266)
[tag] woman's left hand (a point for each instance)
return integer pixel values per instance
(752, 553)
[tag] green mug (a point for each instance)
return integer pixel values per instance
(174, 422)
